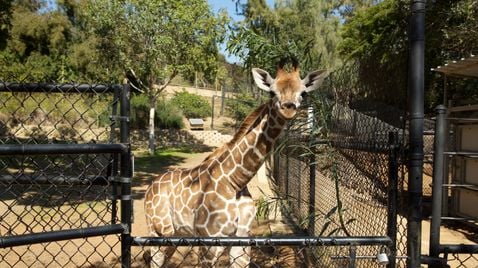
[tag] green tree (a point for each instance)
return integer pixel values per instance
(302, 30)
(37, 40)
(192, 105)
(5, 16)
(48, 42)
(376, 39)
(158, 40)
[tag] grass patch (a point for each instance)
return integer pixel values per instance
(161, 159)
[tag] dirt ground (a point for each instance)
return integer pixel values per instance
(185, 255)
(104, 251)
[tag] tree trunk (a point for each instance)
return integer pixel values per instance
(152, 137)
(154, 92)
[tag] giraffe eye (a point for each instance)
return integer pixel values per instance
(303, 94)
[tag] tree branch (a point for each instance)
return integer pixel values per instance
(157, 89)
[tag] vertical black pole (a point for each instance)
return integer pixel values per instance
(223, 98)
(312, 169)
(287, 162)
(415, 100)
(113, 167)
(392, 195)
(126, 173)
(212, 112)
(438, 178)
(353, 257)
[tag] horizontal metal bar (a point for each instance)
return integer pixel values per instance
(121, 179)
(459, 219)
(120, 118)
(39, 149)
(56, 180)
(262, 241)
(380, 147)
(473, 107)
(464, 154)
(433, 261)
(57, 88)
(461, 248)
(470, 187)
(463, 120)
(36, 238)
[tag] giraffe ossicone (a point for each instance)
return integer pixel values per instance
(212, 198)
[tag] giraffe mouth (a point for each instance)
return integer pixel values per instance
(288, 113)
(287, 109)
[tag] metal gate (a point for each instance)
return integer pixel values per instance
(65, 162)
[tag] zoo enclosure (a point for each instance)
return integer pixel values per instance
(350, 182)
(64, 165)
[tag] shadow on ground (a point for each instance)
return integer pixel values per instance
(147, 166)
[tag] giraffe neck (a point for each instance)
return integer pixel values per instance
(247, 154)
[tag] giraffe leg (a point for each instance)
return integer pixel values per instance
(240, 257)
(210, 256)
(160, 255)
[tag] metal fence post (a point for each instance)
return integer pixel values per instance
(312, 170)
(113, 167)
(126, 173)
(438, 178)
(416, 86)
(392, 195)
(287, 165)
(223, 97)
(212, 113)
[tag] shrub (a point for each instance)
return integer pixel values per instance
(167, 114)
(239, 107)
(139, 111)
(192, 105)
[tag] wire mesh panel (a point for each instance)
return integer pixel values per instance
(52, 192)
(333, 167)
(259, 252)
(461, 260)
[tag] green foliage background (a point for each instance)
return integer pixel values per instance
(192, 105)
(375, 39)
(168, 115)
(97, 40)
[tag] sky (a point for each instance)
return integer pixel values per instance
(230, 7)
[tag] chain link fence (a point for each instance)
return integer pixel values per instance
(334, 168)
(338, 175)
(341, 191)
(262, 252)
(44, 192)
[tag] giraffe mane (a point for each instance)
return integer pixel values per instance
(249, 123)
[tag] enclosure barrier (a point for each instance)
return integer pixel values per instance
(64, 174)
(293, 251)
(461, 254)
(38, 238)
(262, 241)
(62, 171)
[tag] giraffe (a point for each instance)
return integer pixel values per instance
(212, 198)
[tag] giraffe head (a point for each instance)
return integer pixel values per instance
(287, 89)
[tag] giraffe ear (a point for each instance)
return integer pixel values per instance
(314, 79)
(262, 78)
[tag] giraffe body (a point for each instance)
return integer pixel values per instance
(212, 198)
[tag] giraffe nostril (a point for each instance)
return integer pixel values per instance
(288, 105)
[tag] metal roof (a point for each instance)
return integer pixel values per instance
(467, 67)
